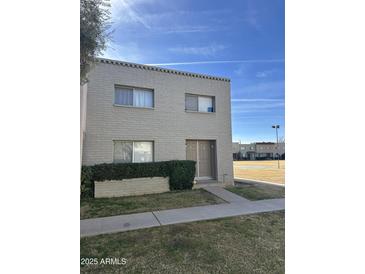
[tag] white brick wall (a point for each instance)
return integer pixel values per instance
(83, 101)
(168, 125)
(131, 187)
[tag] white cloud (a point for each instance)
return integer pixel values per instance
(251, 15)
(241, 70)
(271, 87)
(265, 73)
(251, 18)
(261, 74)
(186, 29)
(167, 22)
(124, 52)
(178, 21)
(125, 11)
(256, 100)
(256, 107)
(205, 51)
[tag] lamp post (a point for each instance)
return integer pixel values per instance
(277, 143)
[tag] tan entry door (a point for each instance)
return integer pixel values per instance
(203, 152)
(205, 159)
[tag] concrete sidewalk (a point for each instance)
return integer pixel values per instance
(236, 206)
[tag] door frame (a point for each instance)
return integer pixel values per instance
(213, 159)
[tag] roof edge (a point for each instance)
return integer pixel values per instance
(153, 68)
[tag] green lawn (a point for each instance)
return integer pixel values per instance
(245, 244)
(258, 191)
(102, 207)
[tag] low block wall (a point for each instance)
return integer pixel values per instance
(131, 187)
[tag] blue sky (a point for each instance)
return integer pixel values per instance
(239, 39)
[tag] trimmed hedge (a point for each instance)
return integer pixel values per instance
(180, 172)
(87, 183)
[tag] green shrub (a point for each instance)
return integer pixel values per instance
(182, 175)
(180, 172)
(104, 172)
(87, 183)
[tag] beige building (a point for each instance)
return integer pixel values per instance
(258, 151)
(140, 113)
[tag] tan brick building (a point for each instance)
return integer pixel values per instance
(140, 113)
(258, 151)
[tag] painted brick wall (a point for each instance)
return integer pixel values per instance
(131, 187)
(168, 125)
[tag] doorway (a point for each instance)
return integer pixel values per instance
(204, 153)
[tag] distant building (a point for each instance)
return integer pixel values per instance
(258, 151)
(236, 150)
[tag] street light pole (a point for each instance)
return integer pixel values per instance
(277, 143)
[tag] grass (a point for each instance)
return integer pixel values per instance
(257, 191)
(102, 207)
(260, 170)
(245, 244)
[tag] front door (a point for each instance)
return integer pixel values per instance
(203, 152)
(205, 159)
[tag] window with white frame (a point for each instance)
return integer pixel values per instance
(133, 151)
(199, 103)
(135, 97)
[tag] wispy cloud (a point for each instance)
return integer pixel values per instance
(257, 107)
(129, 12)
(173, 15)
(263, 89)
(260, 117)
(241, 70)
(187, 29)
(265, 73)
(125, 52)
(205, 51)
(251, 18)
(186, 21)
(125, 11)
(257, 100)
(220, 62)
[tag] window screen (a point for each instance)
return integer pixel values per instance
(123, 96)
(191, 102)
(205, 104)
(133, 152)
(199, 103)
(143, 152)
(133, 97)
(123, 152)
(142, 98)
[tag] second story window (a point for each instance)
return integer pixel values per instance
(134, 97)
(199, 103)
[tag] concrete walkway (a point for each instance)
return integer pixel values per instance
(225, 194)
(236, 206)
